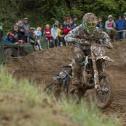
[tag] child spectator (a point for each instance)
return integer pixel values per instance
(54, 33)
(38, 35)
(32, 37)
(48, 36)
(61, 36)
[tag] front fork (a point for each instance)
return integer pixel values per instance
(96, 76)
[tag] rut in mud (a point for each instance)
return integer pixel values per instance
(41, 66)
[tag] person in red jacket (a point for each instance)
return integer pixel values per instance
(48, 36)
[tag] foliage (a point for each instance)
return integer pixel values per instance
(41, 11)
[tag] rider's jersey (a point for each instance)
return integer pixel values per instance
(80, 35)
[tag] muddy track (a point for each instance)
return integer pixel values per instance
(41, 66)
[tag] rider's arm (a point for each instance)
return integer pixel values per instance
(72, 35)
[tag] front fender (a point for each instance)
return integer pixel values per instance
(106, 58)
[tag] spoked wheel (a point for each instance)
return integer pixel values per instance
(104, 93)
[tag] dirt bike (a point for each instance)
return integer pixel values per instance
(91, 79)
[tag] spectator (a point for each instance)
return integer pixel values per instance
(120, 26)
(100, 24)
(61, 36)
(32, 37)
(21, 30)
(124, 33)
(110, 27)
(38, 35)
(1, 31)
(10, 38)
(71, 23)
(48, 36)
(13, 36)
(26, 28)
(54, 33)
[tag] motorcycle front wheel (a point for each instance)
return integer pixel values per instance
(104, 92)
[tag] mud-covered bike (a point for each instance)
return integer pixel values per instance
(91, 79)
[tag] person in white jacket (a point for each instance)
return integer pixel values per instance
(54, 33)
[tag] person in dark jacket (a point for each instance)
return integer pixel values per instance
(120, 26)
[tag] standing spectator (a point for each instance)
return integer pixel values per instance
(1, 31)
(26, 27)
(21, 30)
(54, 33)
(120, 26)
(71, 23)
(32, 37)
(38, 35)
(124, 33)
(48, 36)
(61, 36)
(100, 23)
(110, 27)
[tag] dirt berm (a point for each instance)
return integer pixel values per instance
(41, 66)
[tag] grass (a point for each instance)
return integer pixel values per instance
(21, 103)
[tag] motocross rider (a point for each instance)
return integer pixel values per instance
(82, 34)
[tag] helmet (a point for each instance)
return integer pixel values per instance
(89, 22)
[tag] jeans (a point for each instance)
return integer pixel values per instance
(120, 35)
(56, 42)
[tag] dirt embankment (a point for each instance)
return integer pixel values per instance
(41, 66)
